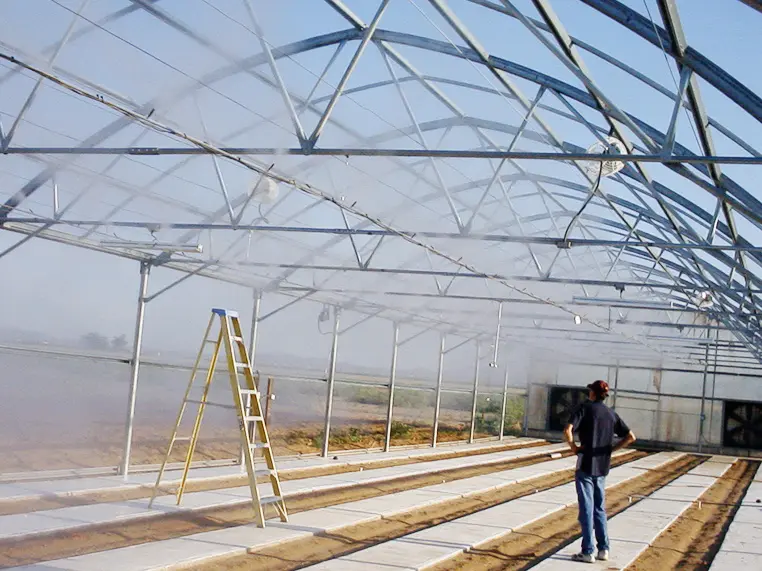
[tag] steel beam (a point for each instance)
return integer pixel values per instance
(298, 130)
(438, 397)
(496, 154)
(669, 140)
(475, 392)
(505, 399)
(392, 380)
(558, 241)
(253, 332)
(330, 382)
(424, 143)
(137, 344)
(367, 37)
(701, 65)
(6, 140)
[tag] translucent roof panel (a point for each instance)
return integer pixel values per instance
(586, 169)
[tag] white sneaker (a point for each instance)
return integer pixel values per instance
(603, 555)
(583, 557)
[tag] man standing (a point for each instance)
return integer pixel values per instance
(596, 424)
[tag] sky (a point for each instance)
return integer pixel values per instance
(68, 292)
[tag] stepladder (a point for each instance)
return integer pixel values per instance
(254, 438)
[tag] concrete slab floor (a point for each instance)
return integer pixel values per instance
(194, 548)
(633, 530)
(78, 516)
(427, 547)
(741, 546)
(27, 490)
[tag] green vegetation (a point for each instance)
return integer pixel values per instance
(487, 406)
(400, 429)
(407, 398)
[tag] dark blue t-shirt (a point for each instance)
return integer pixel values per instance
(596, 424)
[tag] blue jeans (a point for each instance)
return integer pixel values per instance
(591, 495)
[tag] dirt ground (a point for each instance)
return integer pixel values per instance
(150, 445)
(122, 534)
(524, 547)
(300, 553)
(693, 540)
(16, 507)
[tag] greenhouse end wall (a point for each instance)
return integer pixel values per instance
(649, 402)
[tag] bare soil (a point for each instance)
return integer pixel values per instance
(150, 445)
(525, 547)
(300, 553)
(157, 528)
(692, 541)
(28, 506)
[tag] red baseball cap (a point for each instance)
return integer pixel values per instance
(600, 388)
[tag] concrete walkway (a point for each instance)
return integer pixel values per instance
(47, 489)
(71, 518)
(197, 548)
(632, 531)
(742, 546)
(442, 542)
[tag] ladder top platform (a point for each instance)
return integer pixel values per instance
(224, 312)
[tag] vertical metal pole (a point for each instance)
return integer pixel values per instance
(392, 378)
(703, 393)
(505, 398)
(525, 419)
(497, 334)
(255, 311)
(254, 325)
(438, 399)
(145, 270)
(475, 391)
(331, 379)
(714, 380)
(616, 384)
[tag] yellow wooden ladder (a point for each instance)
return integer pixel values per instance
(251, 422)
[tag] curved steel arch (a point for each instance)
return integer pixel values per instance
(429, 44)
(724, 187)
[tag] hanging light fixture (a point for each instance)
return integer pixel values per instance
(265, 191)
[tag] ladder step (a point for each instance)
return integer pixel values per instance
(242, 365)
(270, 500)
(253, 418)
(212, 341)
(208, 403)
(248, 391)
(236, 338)
(181, 439)
(255, 445)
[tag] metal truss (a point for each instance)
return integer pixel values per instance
(432, 186)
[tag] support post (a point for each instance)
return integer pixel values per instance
(438, 398)
(616, 384)
(700, 437)
(145, 270)
(497, 335)
(252, 352)
(331, 379)
(475, 392)
(525, 419)
(392, 379)
(714, 381)
(505, 398)
(254, 325)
